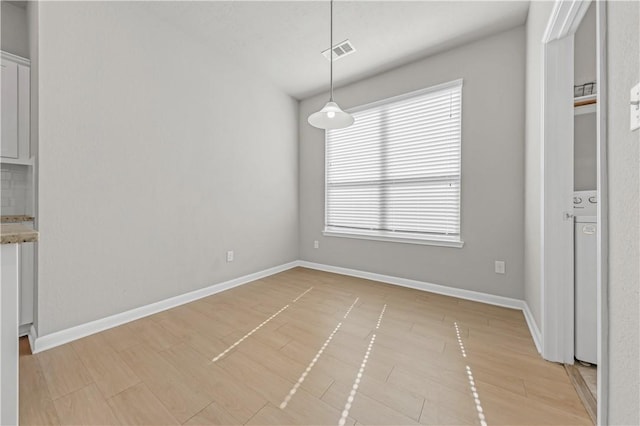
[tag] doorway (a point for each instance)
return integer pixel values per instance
(558, 296)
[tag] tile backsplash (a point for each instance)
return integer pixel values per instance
(15, 192)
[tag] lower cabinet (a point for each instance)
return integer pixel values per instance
(27, 286)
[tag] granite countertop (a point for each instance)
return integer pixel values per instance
(13, 233)
(16, 218)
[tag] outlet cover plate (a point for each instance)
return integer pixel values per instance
(634, 108)
(500, 267)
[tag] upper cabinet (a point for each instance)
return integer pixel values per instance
(15, 110)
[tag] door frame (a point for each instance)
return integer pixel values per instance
(557, 190)
(603, 217)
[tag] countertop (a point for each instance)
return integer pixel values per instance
(16, 219)
(13, 233)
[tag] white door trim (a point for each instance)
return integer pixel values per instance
(565, 19)
(603, 218)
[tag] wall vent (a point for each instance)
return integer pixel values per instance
(340, 50)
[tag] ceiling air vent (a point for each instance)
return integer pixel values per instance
(340, 50)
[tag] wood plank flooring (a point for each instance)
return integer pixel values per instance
(585, 381)
(305, 347)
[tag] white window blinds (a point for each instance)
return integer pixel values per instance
(396, 171)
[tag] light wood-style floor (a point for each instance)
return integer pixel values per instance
(585, 381)
(589, 374)
(305, 347)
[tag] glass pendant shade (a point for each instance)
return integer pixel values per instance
(331, 117)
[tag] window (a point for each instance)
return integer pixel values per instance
(395, 173)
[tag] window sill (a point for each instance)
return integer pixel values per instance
(395, 238)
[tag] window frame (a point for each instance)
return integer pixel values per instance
(392, 236)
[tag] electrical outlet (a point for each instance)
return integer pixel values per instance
(316, 244)
(230, 256)
(634, 108)
(500, 267)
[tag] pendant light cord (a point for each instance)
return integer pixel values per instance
(331, 49)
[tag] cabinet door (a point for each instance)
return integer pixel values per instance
(27, 283)
(9, 97)
(24, 102)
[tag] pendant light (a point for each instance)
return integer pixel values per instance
(331, 116)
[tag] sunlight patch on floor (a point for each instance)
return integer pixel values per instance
(472, 382)
(243, 338)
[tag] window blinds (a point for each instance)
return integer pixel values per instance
(396, 171)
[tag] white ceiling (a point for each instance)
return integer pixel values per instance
(283, 39)
(18, 3)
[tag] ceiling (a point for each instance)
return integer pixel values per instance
(18, 3)
(283, 40)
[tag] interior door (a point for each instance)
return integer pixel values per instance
(558, 272)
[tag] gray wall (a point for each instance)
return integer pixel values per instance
(492, 171)
(156, 155)
(585, 53)
(14, 36)
(623, 69)
(585, 132)
(539, 12)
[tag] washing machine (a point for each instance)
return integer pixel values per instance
(585, 276)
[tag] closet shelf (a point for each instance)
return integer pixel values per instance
(585, 100)
(585, 104)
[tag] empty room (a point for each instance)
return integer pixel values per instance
(323, 212)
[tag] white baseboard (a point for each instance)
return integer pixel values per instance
(32, 336)
(39, 344)
(475, 296)
(533, 327)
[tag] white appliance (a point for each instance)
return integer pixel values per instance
(585, 275)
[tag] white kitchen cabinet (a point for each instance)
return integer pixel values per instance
(27, 286)
(12, 237)
(15, 147)
(9, 334)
